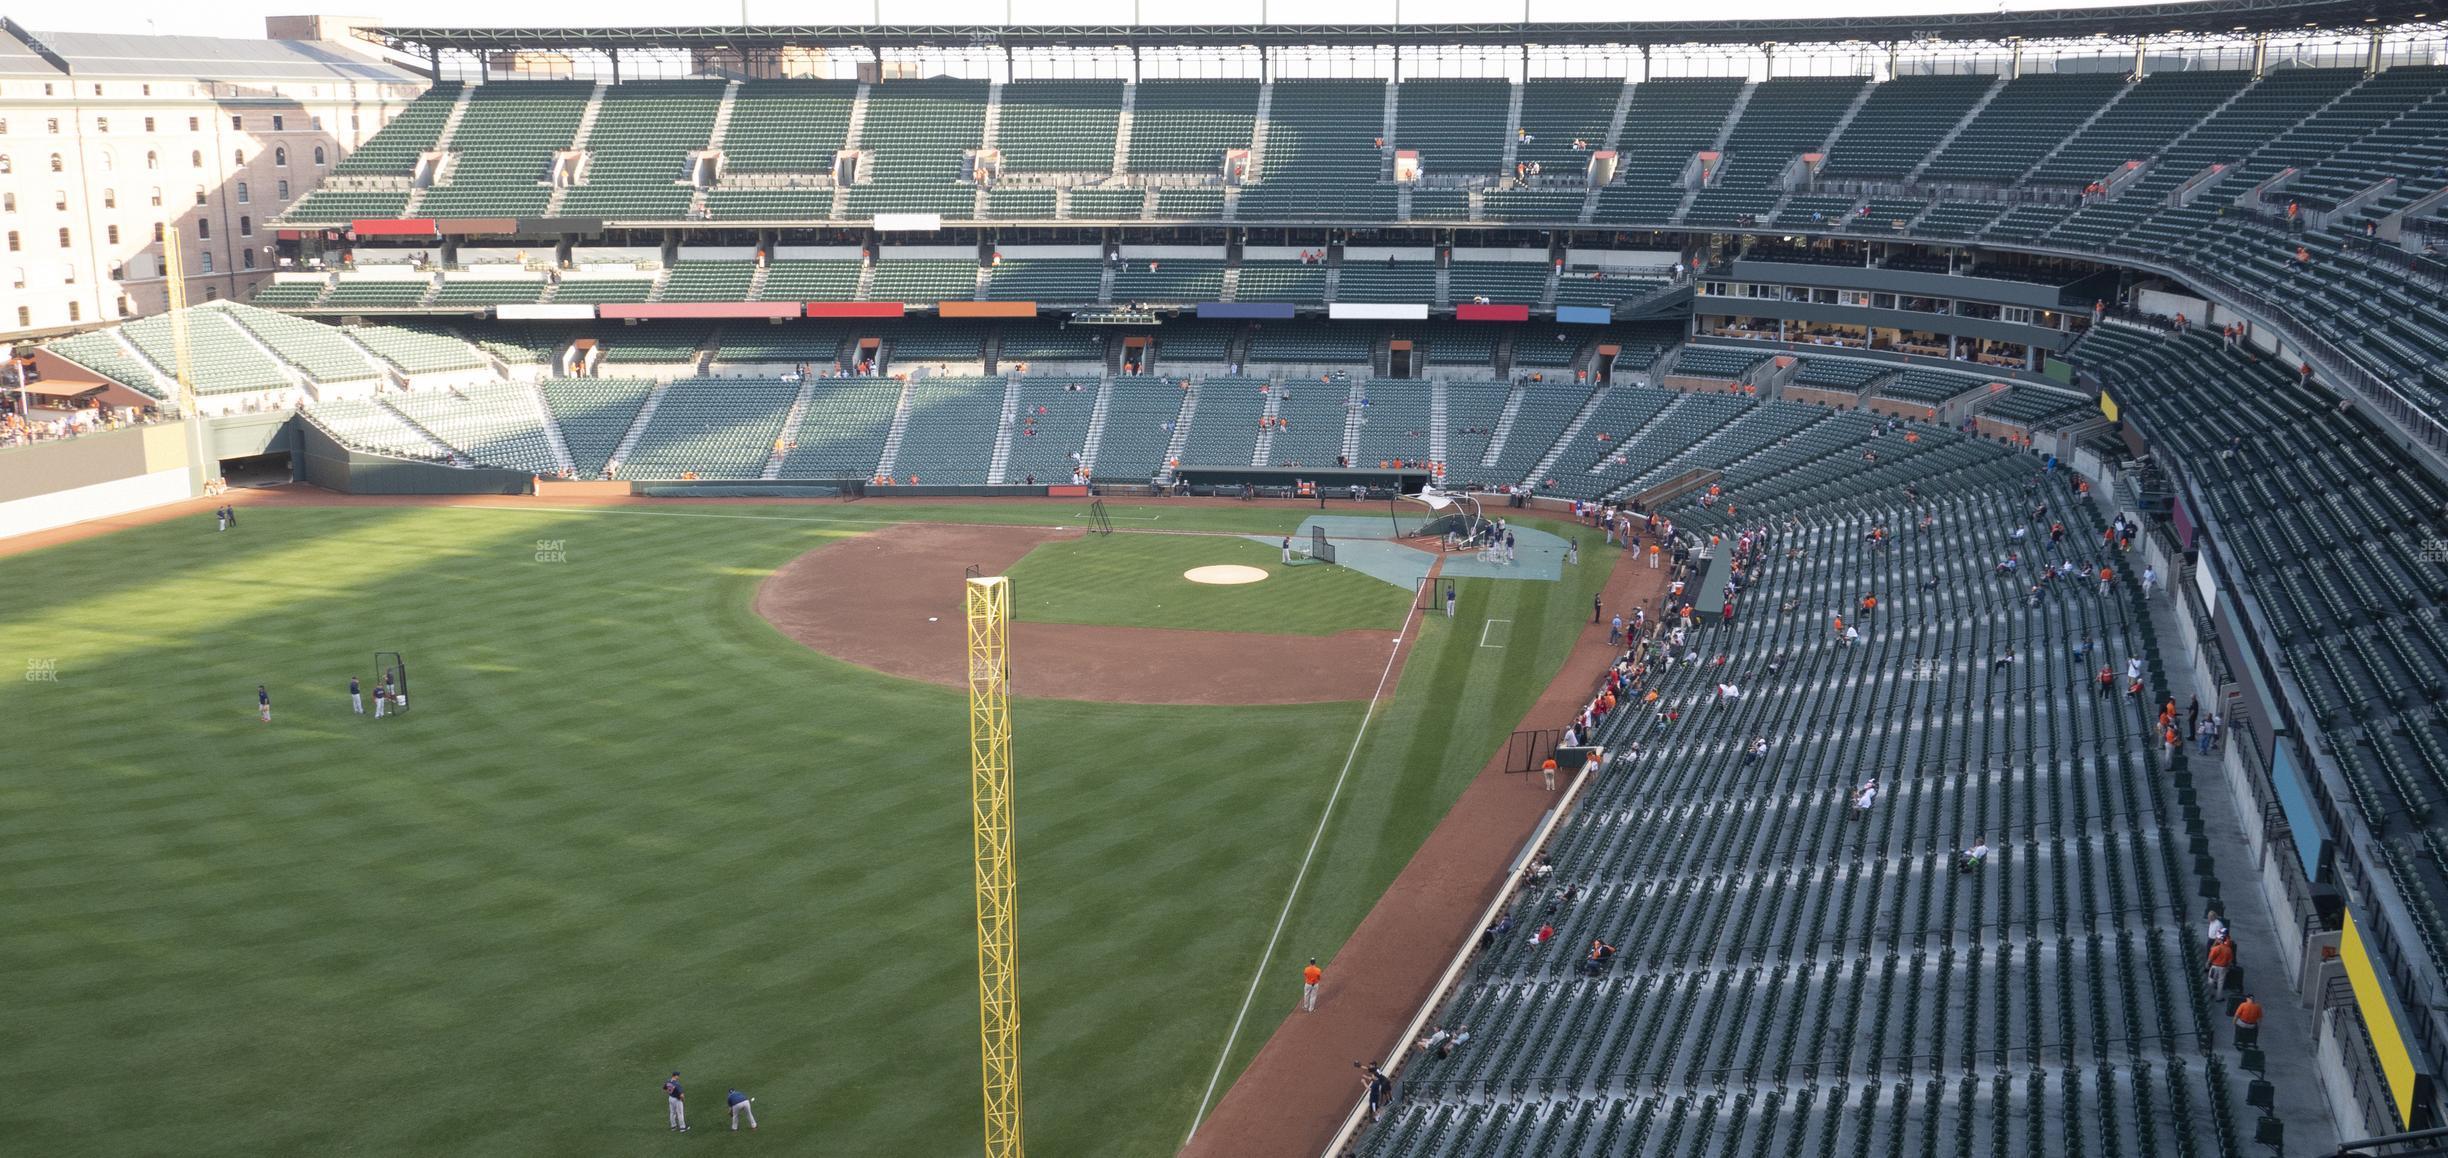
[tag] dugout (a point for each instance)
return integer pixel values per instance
(1333, 484)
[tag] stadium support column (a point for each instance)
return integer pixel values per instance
(2015, 70)
(2260, 55)
(2371, 60)
(2141, 56)
(990, 787)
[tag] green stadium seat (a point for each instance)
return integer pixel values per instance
(638, 150)
(711, 428)
(505, 144)
(1059, 126)
(594, 414)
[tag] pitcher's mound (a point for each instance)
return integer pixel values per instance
(1224, 575)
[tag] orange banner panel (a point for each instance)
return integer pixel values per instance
(986, 309)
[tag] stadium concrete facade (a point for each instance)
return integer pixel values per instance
(107, 137)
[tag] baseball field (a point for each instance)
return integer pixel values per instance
(639, 820)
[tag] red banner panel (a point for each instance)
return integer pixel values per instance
(1473, 312)
(1066, 492)
(391, 227)
(854, 309)
(698, 310)
(986, 309)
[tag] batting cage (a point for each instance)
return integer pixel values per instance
(1432, 591)
(1321, 548)
(391, 672)
(1449, 516)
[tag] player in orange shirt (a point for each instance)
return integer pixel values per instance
(1310, 977)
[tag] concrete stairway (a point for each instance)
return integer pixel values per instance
(1001, 461)
(1504, 426)
(892, 440)
(552, 430)
(637, 427)
(790, 428)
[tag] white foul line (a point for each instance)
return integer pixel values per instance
(1266, 959)
(1490, 624)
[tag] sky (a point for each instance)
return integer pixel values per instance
(244, 18)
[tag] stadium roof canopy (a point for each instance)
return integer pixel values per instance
(111, 54)
(2205, 17)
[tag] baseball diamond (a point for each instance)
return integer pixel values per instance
(1679, 586)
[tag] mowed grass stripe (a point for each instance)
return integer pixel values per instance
(628, 828)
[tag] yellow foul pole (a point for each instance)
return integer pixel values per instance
(174, 283)
(998, 901)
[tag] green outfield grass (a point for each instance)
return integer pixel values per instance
(630, 828)
(1135, 580)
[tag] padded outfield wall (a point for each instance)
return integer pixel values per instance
(94, 476)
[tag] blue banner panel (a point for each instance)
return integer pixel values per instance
(1263, 310)
(2311, 836)
(1585, 315)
